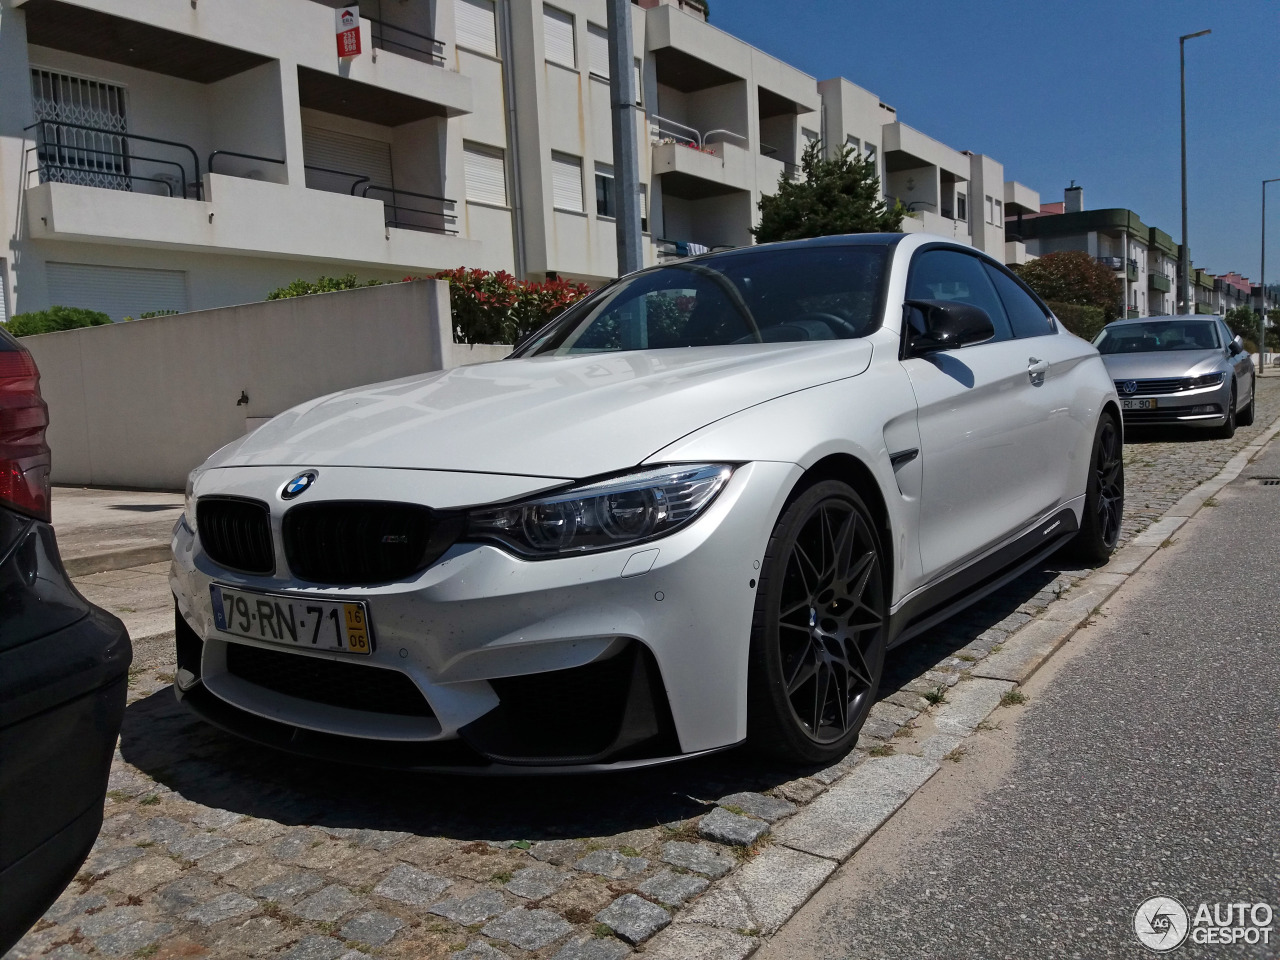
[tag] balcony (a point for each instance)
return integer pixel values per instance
(1205, 308)
(694, 165)
(1158, 281)
(1131, 270)
(253, 218)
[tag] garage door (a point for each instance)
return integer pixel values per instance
(118, 292)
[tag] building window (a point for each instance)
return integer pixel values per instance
(476, 25)
(871, 153)
(991, 210)
(962, 207)
(606, 199)
(809, 136)
(96, 157)
(854, 144)
(639, 84)
(999, 213)
(566, 182)
(598, 51)
(484, 171)
(557, 35)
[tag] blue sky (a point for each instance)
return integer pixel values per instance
(1059, 90)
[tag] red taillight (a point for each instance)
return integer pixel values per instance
(24, 453)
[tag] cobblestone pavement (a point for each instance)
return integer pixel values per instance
(215, 848)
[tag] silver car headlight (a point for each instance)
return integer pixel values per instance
(189, 503)
(612, 513)
(1208, 380)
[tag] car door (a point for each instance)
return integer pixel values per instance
(982, 413)
(1241, 364)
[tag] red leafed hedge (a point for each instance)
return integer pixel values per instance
(491, 307)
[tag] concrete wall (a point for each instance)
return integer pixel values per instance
(140, 404)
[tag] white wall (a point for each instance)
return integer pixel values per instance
(140, 404)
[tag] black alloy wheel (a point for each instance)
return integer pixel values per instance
(1228, 428)
(821, 617)
(1104, 496)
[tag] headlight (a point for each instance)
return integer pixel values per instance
(1208, 380)
(602, 516)
(189, 505)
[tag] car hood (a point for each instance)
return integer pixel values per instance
(1171, 363)
(569, 417)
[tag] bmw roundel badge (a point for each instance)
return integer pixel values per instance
(298, 485)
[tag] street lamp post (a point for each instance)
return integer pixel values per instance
(1184, 260)
(1262, 307)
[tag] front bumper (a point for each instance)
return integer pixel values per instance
(1202, 407)
(553, 663)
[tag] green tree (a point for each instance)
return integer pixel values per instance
(1072, 276)
(1243, 322)
(55, 319)
(831, 195)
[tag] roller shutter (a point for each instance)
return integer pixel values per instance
(598, 51)
(485, 174)
(476, 25)
(557, 34)
(354, 156)
(118, 292)
(566, 182)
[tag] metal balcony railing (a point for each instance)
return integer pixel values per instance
(1115, 263)
(407, 43)
(92, 156)
(692, 136)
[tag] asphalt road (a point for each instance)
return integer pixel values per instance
(1144, 764)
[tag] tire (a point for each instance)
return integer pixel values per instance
(820, 627)
(1104, 496)
(1245, 417)
(1228, 429)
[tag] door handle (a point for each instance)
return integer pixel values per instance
(1036, 369)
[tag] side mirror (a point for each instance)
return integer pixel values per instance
(945, 325)
(1236, 346)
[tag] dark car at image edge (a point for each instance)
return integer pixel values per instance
(64, 667)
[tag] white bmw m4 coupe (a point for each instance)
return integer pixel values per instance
(693, 511)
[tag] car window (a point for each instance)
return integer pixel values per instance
(819, 293)
(951, 275)
(1026, 316)
(1158, 336)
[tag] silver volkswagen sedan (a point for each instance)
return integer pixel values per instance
(1179, 369)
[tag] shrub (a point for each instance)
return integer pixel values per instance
(1072, 276)
(1084, 321)
(157, 313)
(55, 319)
(303, 288)
(489, 307)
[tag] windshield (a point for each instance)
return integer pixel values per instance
(1158, 336)
(779, 296)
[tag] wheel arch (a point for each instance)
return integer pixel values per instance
(849, 469)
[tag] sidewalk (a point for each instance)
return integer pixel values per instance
(115, 546)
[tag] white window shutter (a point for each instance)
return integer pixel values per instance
(557, 32)
(566, 182)
(485, 174)
(598, 51)
(639, 85)
(118, 292)
(354, 156)
(476, 25)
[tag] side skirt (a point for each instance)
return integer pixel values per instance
(964, 587)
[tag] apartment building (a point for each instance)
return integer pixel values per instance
(1144, 259)
(950, 192)
(184, 154)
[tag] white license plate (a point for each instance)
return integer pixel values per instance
(1147, 404)
(297, 621)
